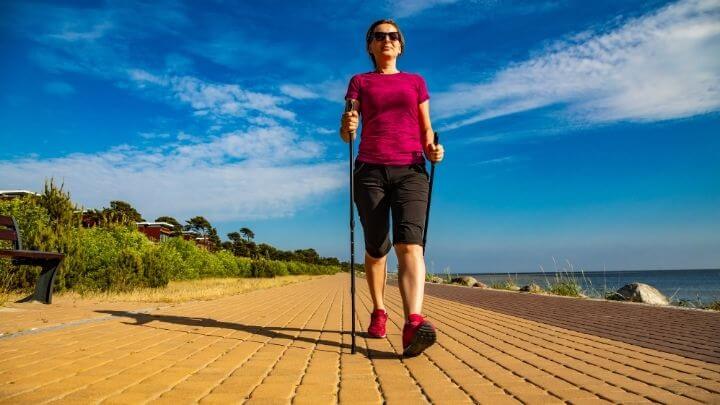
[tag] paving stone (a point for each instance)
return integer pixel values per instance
(290, 344)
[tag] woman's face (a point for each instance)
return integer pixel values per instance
(386, 48)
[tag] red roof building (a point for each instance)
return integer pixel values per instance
(156, 231)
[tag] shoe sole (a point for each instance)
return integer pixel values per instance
(376, 336)
(424, 338)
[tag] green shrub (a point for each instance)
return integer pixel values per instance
(207, 263)
(187, 251)
(229, 265)
(715, 305)
(124, 274)
(566, 288)
(279, 268)
(101, 257)
(116, 257)
(244, 266)
(261, 268)
(160, 262)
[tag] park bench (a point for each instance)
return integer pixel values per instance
(49, 261)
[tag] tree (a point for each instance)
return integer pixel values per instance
(307, 256)
(205, 229)
(57, 202)
(177, 228)
(247, 233)
(214, 238)
(122, 212)
(198, 224)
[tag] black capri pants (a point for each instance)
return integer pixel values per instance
(380, 190)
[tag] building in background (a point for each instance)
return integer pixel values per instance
(156, 231)
(200, 240)
(10, 194)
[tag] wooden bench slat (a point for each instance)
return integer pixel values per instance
(30, 254)
(6, 221)
(6, 234)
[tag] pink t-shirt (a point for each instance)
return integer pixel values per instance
(391, 133)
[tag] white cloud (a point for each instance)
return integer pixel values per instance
(454, 14)
(212, 98)
(325, 131)
(75, 33)
(407, 8)
(504, 159)
(660, 66)
(260, 173)
(154, 135)
(331, 90)
(59, 88)
(297, 91)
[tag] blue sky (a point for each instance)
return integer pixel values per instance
(580, 131)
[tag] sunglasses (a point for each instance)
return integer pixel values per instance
(380, 36)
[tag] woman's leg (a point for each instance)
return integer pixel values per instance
(376, 274)
(411, 277)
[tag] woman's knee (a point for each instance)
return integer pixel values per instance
(373, 260)
(408, 248)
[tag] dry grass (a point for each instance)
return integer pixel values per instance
(180, 291)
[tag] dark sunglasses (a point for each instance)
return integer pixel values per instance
(380, 36)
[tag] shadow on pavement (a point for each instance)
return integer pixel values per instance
(273, 332)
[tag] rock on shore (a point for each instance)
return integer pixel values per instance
(436, 280)
(467, 281)
(639, 292)
(532, 288)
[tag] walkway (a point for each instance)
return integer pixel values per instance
(291, 344)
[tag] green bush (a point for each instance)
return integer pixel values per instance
(566, 288)
(118, 257)
(101, 257)
(160, 262)
(124, 274)
(280, 268)
(244, 266)
(261, 268)
(207, 264)
(188, 252)
(294, 268)
(229, 265)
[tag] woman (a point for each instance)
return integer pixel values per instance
(390, 176)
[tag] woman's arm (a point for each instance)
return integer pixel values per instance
(434, 153)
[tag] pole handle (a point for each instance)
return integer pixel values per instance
(351, 105)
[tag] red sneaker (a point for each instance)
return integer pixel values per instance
(418, 335)
(377, 323)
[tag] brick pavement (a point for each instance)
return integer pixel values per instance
(291, 345)
(687, 332)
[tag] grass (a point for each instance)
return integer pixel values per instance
(565, 282)
(180, 291)
(508, 284)
(715, 305)
(567, 288)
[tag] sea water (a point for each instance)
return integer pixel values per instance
(694, 286)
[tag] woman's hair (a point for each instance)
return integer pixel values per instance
(369, 38)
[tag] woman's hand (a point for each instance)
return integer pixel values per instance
(435, 153)
(348, 125)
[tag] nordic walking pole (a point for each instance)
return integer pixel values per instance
(350, 106)
(427, 213)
